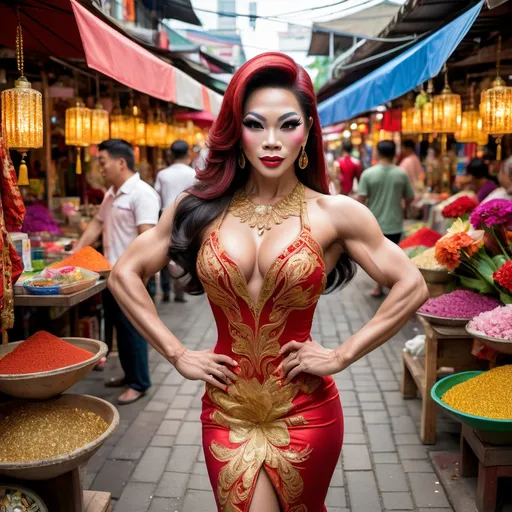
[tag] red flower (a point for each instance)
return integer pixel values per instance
(503, 276)
(461, 206)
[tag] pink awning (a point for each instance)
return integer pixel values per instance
(116, 56)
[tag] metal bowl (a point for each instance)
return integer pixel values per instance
(503, 346)
(45, 469)
(442, 320)
(478, 422)
(436, 276)
(53, 382)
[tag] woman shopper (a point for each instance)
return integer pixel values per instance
(260, 235)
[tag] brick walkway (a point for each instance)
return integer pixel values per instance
(154, 461)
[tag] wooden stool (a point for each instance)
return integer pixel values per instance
(489, 461)
(444, 347)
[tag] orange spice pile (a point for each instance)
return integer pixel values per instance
(87, 258)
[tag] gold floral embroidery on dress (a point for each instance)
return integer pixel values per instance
(256, 415)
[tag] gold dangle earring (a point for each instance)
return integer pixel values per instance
(303, 159)
(241, 159)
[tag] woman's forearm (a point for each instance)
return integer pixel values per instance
(405, 297)
(133, 297)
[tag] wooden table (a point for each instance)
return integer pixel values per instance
(445, 347)
(64, 301)
(487, 461)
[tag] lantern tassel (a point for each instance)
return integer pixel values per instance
(498, 149)
(23, 174)
(78, 162)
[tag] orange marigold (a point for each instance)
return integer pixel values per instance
(449, 248)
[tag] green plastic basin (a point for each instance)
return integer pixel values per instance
(477, 422)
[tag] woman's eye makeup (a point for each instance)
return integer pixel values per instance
(252, 124)
(292, 124)
(256, 125)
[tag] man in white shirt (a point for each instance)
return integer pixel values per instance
(129, 208)
(170, 183)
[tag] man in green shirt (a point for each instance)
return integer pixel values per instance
(382, 188)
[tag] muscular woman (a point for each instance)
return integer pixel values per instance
(262, 237)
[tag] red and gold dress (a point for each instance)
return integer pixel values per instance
(294, 432)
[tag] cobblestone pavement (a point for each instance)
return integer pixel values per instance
(154, 461)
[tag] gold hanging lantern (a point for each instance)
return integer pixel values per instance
(468, 131)
(407, 120)
(140, 132)
(100, 129)
(496, 107)
(130, 123)
(171, 133)
(150, 130)
(117, 122)
(78, 125)
(470, 121)
(78, 129)
(427, 114)
(482, 138)
(22, 114)
(417, 125)
(160, 130)
(447, 108)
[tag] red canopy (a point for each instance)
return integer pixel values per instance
(202, 119)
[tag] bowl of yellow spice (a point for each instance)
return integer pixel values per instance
(40, 440)
(480, 399)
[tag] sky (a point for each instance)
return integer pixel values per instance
(265, 37)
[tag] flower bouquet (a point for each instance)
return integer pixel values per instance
(495, 219)
(463, 253)
(460, 208)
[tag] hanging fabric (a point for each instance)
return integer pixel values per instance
(12, 213)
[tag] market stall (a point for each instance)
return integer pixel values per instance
(468, 342)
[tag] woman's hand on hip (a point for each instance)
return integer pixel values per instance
(308, 357)
(208, 366)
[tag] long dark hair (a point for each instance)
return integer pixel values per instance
(221, 177)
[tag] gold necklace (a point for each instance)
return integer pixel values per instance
(264, 216)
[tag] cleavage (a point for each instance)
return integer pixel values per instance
(255, 255)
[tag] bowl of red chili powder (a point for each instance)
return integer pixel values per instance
(44, 366)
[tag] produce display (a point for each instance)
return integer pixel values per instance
(459, 304)
(425, 237)
(496, 323)
(461, 207)
(25, 433)
(40, 353)
(87, 258)
(39, 220)
(488, 395)
(64, 280)
(427, 260)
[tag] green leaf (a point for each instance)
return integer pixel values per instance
(505, 298)
(499, 260)
(476, 284)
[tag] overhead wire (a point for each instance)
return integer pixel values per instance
(277, 20)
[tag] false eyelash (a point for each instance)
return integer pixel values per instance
(294, 123)
(251, 123)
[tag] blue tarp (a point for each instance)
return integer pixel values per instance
(413, 67)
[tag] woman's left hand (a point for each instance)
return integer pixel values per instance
(308, 357)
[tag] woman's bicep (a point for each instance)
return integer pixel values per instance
(149, 252)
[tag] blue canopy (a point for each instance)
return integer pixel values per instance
(400, 75)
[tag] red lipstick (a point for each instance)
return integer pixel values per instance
(271, 161)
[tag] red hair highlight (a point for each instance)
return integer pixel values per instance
(224, 137)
